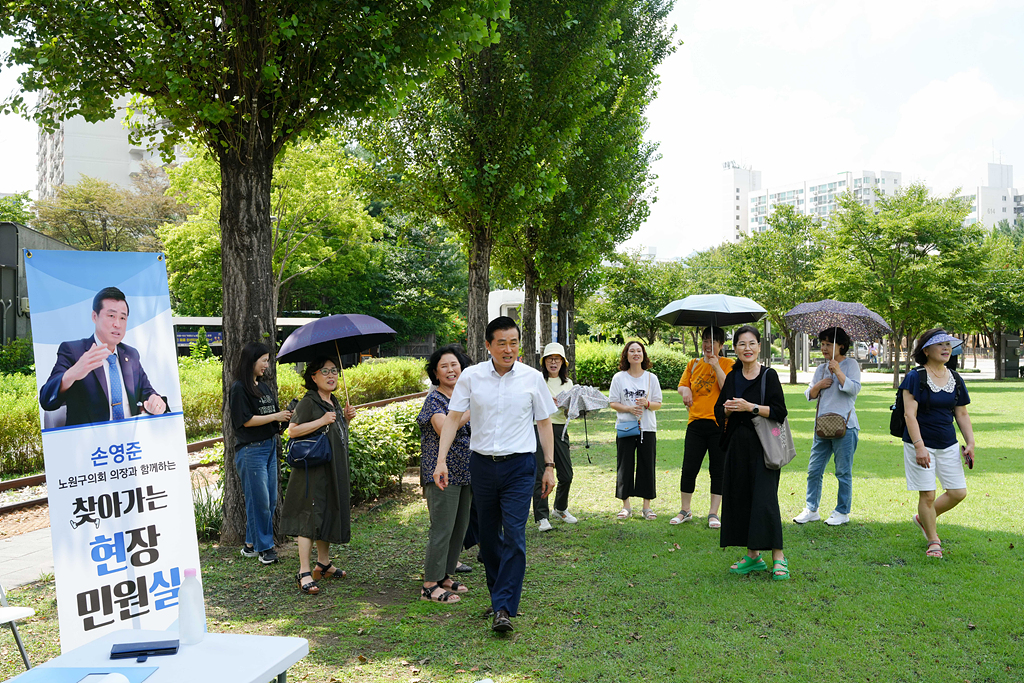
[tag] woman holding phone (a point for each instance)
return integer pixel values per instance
(933, 398)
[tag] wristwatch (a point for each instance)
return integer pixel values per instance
(549, 464)
(755, 410)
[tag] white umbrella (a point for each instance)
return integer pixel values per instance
(580, 400)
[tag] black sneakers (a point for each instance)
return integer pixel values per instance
(268, 556)
(249, 551)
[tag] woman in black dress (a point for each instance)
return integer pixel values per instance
(750, 493)
(317, 508)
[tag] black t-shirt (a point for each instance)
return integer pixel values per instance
(244, 406)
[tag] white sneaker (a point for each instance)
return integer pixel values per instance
(565, 516)
(544, 525)
(807, 516)
(837, 518)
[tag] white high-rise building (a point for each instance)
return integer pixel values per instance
(997, 201)
(818, 197)
(739, 183)
(99, 150)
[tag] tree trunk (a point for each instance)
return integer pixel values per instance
(248, 283)
(528, 313)
(895, 346)
(567, 308)
(997, 351)
(544, 304)
(791, 341)
(479, 289)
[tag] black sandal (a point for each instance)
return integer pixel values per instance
(310, 588)
(323, 571)
(427, 593)
(454, 588)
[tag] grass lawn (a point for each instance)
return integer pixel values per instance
(606, 600)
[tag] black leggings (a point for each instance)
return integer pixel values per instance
(702, 436)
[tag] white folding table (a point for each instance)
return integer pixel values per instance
(220, 657)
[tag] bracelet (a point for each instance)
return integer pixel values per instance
(917, 442)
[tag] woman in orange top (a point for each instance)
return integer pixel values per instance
(699, 386)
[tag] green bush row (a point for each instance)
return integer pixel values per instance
(597, 363)
(382, 443)
(21, 450)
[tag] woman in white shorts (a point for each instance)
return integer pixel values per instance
(933, 397)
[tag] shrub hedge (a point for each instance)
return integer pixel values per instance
(596, 363)
(21, 450)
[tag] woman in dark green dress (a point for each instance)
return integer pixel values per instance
(316, 505)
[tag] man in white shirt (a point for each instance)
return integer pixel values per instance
(504, 397)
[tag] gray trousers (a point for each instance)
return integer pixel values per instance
(449, 518)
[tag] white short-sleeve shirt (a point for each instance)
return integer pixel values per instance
(625, 389)
(503, 407)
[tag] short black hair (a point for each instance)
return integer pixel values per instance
(502, 322)
(715, 333)
(919, 355)
(435, 358)
(838, 336)
(744, 329)
(313, 367)
(108, 293)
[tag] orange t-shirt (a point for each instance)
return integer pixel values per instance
(703, 382)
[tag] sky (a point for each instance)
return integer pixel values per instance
(798, 90)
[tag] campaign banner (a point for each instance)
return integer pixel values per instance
(121, 516)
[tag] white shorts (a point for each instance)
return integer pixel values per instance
(946, 465)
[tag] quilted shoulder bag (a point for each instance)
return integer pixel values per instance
(775, 437)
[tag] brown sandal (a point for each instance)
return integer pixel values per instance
(310, 588)
(323, 571)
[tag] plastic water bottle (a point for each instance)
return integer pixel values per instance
(191, 610)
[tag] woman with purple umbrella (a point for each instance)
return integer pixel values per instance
(317, 503)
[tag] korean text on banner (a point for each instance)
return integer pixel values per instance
(121, 516)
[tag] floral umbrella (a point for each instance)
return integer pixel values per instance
(577, 401)
(856, 319)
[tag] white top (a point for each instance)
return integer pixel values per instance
(626, 389)
(838, 398)
(503, 407)
(126, 411)
(556, 387)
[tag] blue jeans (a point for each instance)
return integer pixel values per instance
(257, 468)
(502, 492)
(821, 451)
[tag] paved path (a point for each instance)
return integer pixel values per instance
(25, 557)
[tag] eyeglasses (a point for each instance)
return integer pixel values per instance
(329, 372)
(748, 345)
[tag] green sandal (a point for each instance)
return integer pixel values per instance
(749, 564)
(780, 574)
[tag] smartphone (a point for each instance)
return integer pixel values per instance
(147, 649)
(967, 458)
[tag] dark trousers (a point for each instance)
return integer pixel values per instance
(702, 436)
(634, 466)
(502, 493)
(563, 473)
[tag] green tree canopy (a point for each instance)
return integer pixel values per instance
(95, 215)
(244, 78)
(15, 208)
(321, 229)
(484, 144)
(908, 262)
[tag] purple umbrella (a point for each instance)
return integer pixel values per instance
(856, 319)
(333, 336)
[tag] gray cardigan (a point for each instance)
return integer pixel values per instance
(838, 399)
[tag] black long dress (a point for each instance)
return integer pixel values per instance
(750, 492)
